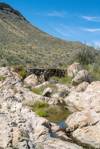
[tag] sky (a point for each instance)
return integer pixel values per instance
(74, 20)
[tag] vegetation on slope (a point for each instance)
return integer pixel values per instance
(22, 43)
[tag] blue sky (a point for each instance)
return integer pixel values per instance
(77, 20)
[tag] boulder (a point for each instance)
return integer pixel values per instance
(82, 119)
(59, 144)
(5, 71)
(94, 87)
(89, 99)
(73, 69)
(80, 77)
(62, 90)
(82, 87)
(27, 97)
(78, 101)
(31, 80)
(89, 135)
(85, 127)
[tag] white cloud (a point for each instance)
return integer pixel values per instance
(53, 13)
(92, 30)
(56, 13)
(91, 18)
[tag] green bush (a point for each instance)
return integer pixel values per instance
(85, 56)
(94, 70)
(21, 71)
(2, 78)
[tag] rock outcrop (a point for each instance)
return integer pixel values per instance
(82, 86)
(89, 99)
(21, 128)
(31, 80)
(81, 76)
(73, 69)
(84, 123)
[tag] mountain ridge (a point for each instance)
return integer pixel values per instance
(21, 43)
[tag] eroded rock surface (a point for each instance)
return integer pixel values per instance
(81, 76)
(31, 80)
(73, 69)
(21, 128)
(84, 123)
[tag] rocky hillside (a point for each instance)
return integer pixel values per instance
(21, 128)
(22, 43)
(24, 103)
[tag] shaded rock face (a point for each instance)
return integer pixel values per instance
(47, 73)
(47, 92)
(8, 9)
(21, 128)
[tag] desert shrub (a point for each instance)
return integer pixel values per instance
(21, 71)
(85, 56)
(94, 70)
(2, 78)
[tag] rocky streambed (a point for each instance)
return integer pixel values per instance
(21, 127)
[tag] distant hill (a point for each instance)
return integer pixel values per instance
(24, 44)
